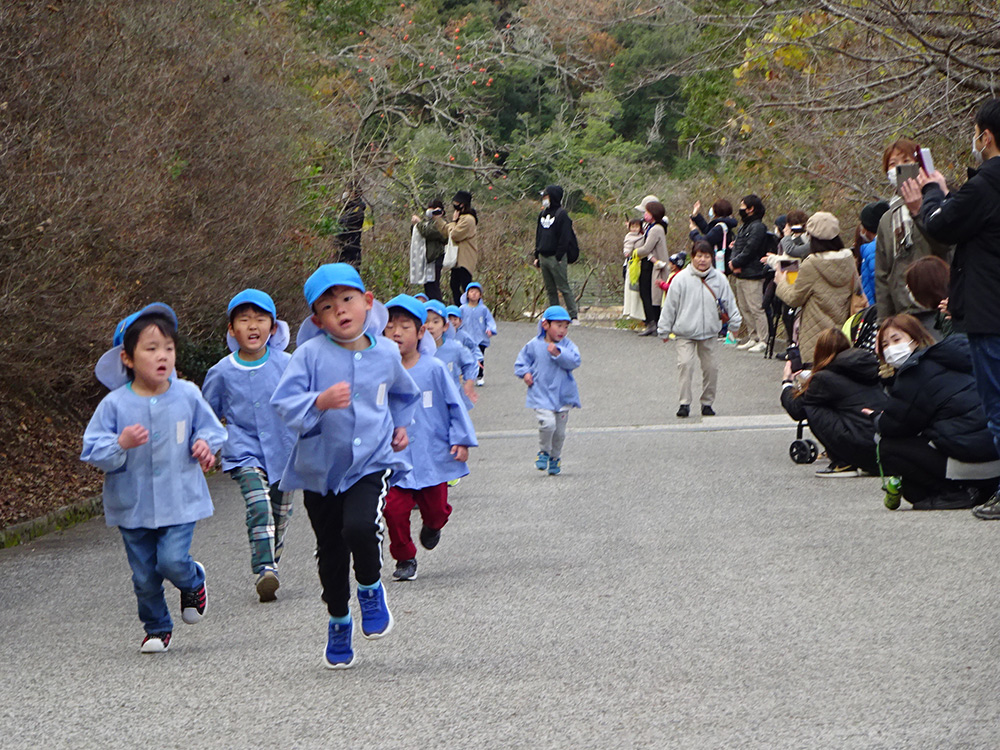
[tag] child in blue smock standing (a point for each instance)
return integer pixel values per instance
(239, 389)
(477, 320)
(153, 436)
(457, 358)
(440, 438)
(346, 395)
(461, 335)
(546, 365)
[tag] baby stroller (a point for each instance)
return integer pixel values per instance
(803, 450)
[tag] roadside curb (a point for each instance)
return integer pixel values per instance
(56, 520)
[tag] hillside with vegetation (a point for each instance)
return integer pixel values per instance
(182, 150)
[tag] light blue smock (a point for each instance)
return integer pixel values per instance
(460, 363)
(337, 447)
(554, 387)
(476, 321)
(157, 484)
(240, 392)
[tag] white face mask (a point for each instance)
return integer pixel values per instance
(545, 203)
(891, 174)
(977, 154)
(897, 354)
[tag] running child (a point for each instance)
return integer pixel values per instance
(459, 359)
(478, 322)
(153, 436)
(346, 394)
(546, 365)
(440, 438)
(239, 389)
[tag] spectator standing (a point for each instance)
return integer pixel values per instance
(462, 231)
(719, 230)
(351, 221)
(654, 257)
(871, 215)
(434, 230)
(553, 237)
(748, 249)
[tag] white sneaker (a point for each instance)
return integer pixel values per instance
(757, 348)
(575, 322)
(481, 381)
(749, 343)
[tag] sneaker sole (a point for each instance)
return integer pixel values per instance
(404, 578)
(191, 616)
(340, 665)
(382, 634)
(159, 648)
(840, 475)
(267, 588)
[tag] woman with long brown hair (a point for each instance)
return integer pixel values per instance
(837, 399)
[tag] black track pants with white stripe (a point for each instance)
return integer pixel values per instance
(348, 524)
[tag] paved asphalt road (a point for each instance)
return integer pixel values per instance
(681, 585)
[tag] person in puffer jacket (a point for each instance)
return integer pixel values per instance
(691, 312)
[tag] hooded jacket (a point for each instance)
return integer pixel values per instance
(970, 217)
(935, 397)
(833, 402)
(553, 233)
(823, 290)
(749, 247)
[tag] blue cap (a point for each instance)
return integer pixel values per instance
(453, 310)
(555, 313)
(421, 296)
(254, 297)
(331, 275)
(155, 307)
(436, 306)
(411, 304)
(475, 284)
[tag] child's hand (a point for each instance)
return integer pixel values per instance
(489, 334)
(662, 284)
(528, 380)
(553, 349)
(460, 452)
(203, 453)
(470, 391)
(133, 436)
(337, 396)
(399, 439)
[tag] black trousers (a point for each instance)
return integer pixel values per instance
(460, 278)
(433, 288)
(350, 254)
(921, 466)
(348, 524)
(649, 310)
(482, 362)
(843, 453)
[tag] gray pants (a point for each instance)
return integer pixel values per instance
(555, 274)
(750, 300)
(551, 430)
(686, 350)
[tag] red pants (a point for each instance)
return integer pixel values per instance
(434, 511)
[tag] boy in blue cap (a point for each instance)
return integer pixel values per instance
(153, 436)
(457, 358)
(546, 365)
(239, 389)
(477, 320)
(346, 395)
(440, 437)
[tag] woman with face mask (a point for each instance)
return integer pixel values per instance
(933, 428)
(901, 238)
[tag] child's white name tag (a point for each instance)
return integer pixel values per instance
(380, 397)
(428, 399)
(182, 432)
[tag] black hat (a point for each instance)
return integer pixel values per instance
(872, 214)
(464, 197)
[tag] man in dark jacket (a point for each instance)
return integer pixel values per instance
(351, 221)
(748, 249)
(553, 237)
(970, 218)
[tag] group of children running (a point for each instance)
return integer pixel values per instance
(369, 417)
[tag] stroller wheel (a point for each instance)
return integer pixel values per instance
(813, 451)
(800, 451)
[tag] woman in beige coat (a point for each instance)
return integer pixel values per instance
(654, 264)
(462, 231)
(826, 280)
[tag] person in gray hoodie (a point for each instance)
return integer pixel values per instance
(692, 312)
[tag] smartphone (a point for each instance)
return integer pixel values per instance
(789, 265)
(793, 356)
(926, 160)
(906, 172)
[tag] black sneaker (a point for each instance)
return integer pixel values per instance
(155, 643)
(990, 510)
(406, 570)
(429, 537)
(193, 603)
(707, 410)
(959, 499)
(838, 470)
(684, 410)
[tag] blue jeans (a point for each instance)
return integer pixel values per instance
(155, 554)
(985, 350)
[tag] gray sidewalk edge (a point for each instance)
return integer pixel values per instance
(56, 520)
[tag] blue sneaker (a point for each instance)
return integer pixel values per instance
(554, 466)
(542, 461)
(339, 654)
(376, 619)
